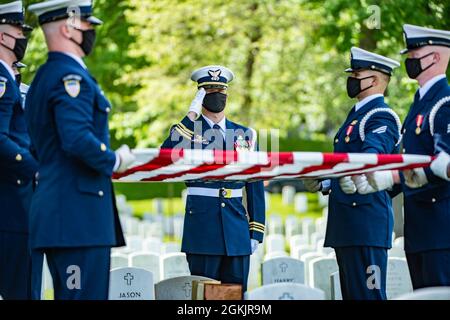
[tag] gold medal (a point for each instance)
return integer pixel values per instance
(419, 121)
(347, 139)
(418, 130)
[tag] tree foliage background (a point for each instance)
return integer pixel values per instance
(288, 57)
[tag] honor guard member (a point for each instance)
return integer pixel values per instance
(426, 131)
(359, 226)
(17, 164)
(73, 216)
(220, 231)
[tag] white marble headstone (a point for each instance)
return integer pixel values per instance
(297, 252)
(320, 270)
(292, 226)
(398, 280)
(152, 244)
(170, 247)
(146, 260)
(288, 194)
(301, 203)
(335, 282)
(285, 291)
(274, 242)
(284, 269)
(119, 260)
(275, 224)
(174, 265)
(254, 274)
(307, 258)
(131, 284)
(179, 288)
(298, 240)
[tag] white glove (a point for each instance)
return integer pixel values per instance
(381, 180)
(126, 157)
(196, 104)
(440, 166)
(362, 184)
(254, 244)
(312, 185)
(415, 178)
(347, 185)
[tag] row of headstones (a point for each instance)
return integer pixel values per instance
(320, 271)
(138, 284)
(153, 225)
(294, 225)
(150, 244)
(290, 196)
(306, 235)
(162, 266)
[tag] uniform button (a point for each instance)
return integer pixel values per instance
(103, 147)
(404, 150)
(19, 182)
(404, 130)
(19, 157)
(336, 141)
(190, 211)
(108, 110)
(354, 204)
(100, 193)
(223, 205)
(433, 200)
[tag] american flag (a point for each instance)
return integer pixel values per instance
(175, 165)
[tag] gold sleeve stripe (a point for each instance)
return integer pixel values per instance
(258, 227)
(254, 229)
(257, 224)
(182, 133)
(182, 126)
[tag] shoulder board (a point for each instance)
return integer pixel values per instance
(182, 130)
(185, 129)
(435, 110)
(362, 125)
(72, 77)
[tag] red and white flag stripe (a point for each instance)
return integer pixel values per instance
(171, 165)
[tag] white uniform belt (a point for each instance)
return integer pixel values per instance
(210, 192)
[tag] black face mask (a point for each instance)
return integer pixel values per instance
(18, 78)
(88, 42)
(354, 86)
(215, 102)
(414, 67)
(19, 47)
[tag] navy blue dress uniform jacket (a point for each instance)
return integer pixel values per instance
(67, 116)
(213, 225)
(355, 219)
(17, 164)
(427, 209)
